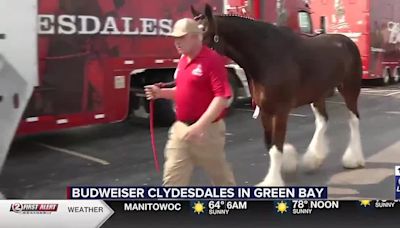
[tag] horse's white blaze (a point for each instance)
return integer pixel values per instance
(318, 148)
(274, 176)
(353, 156)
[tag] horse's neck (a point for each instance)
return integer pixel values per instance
(243, 45)
(242, 51)
(237, 56)
(240, 38)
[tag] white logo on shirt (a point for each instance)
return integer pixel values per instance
(197, 71)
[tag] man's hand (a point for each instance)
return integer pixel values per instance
(195, 133)
(152, 92)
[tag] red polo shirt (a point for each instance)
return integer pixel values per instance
(198, 82)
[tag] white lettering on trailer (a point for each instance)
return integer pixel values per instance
(165, 26)
(127, 25)
(110, 25)
(67, 24)
(89, 24)
(45, 24)
(85, 25)
(149, 25)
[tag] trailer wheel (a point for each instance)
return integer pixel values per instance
(396, 75)
(385, 80)
(164, 113)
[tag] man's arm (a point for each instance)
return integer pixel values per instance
(154, 92)
(220, 87)
(213, 111)
(221, 90)
(168, 93)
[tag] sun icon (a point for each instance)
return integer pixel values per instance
(198, 208)
(282, 207)
(365, 203)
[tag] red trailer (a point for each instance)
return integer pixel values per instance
(373, 25)
(291, 13)
(95, 56)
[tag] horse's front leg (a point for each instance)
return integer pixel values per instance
(274, 175)
(266, 119)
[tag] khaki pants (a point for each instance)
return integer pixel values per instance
(182, 156)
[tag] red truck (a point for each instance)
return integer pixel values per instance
(94, 57)
(375, 27)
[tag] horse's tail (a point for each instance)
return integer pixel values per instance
(356, 66)
(350, 88)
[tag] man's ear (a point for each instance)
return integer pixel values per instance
(208, 12)
(194, 11)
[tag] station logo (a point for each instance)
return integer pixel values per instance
(32, 208)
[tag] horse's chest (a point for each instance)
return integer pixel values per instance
(270, 96)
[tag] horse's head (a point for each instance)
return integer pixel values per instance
(208, 24)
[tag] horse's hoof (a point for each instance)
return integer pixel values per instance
(311, 161)
(2, 197)
(271, 182)
(289, 164)
(352, 161)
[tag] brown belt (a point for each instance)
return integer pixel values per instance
(190, 122)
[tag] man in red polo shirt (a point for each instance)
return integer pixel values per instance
(201, 96)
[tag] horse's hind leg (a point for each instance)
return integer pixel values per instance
(318, 148)
(353, 156)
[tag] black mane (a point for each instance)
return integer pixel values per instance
(254, 26)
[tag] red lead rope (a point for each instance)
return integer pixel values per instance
(153, 143)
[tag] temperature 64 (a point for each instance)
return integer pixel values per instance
(216, 204)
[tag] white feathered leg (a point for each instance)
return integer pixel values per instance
(353, 156)
(318, 148)
(290, 159)
(274, 176)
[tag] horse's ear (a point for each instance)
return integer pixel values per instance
(194, 11)
(208, 11)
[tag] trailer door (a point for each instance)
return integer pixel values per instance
(18, 65)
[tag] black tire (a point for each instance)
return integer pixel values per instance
(164, 113)
(395, 77)
(385, 80)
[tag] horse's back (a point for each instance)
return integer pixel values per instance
(325, 62)
(333, 53)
